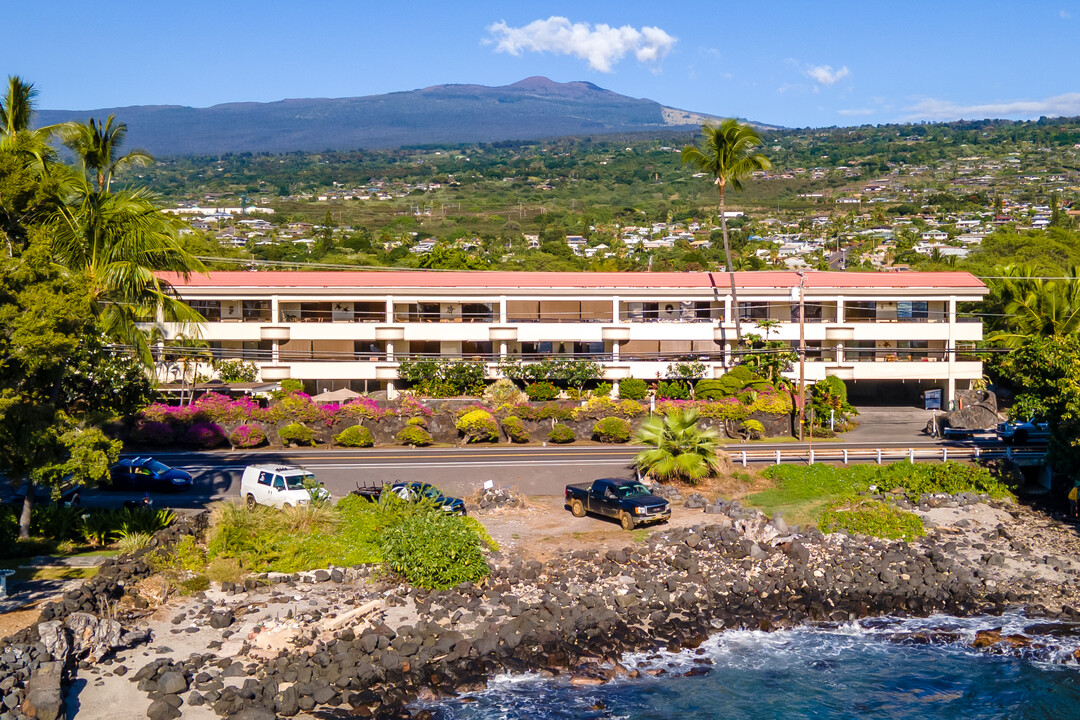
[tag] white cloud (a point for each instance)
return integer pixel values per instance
(825, 75)
(1065, 15)
(601, 45)
(934, 109)
(855, 112)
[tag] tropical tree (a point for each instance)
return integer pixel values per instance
(16, 115)
(187, 351)
(679, 449)
(1023, 305)
(119, 240)
(728, 154)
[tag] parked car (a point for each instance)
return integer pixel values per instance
(145, 474)
(627, 500)
(412, 492)
(280, 486)
(69, 494)
(1024, 432)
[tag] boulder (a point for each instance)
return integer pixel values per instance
(44, 700)
(172, 683)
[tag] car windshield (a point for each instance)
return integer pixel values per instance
(633, 491)
(157, 467)
(297, 482)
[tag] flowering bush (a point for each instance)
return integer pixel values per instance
(173, 414)
(413, 407)
(561, 434)
(221, 408)
(778, 403)
(151, 432)
(205, 435)
(365, 408)
(247, 436)
(300, 408)
(542, 390)
(417, 421)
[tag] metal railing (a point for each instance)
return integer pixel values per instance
(942, 453)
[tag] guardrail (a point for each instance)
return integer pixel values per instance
(880, 455)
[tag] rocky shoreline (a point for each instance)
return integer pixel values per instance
(345, 640)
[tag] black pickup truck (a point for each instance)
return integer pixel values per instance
(628, 500)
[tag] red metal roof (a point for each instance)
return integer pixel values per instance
(571, 280)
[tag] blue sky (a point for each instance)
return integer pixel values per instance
(788, 63)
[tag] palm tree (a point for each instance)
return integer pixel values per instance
(679, 448)
(728, 155)
(16, 135)
(119, 239)
(1029, 306)
(96, 144)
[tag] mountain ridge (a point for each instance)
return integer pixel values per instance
(532, 108)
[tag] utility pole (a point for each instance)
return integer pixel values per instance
(801, 290)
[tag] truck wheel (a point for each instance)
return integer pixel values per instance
(577, 508)
(250, 500)
(627, 521)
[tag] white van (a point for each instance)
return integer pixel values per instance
(278, 486)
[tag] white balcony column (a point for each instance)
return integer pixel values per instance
(389, 308)
(727, 355)
(275, 352)
(502, 351)
(950, 392)
(389, 351)
(275, 309)
(840, 310)
(391, 392)
(502, 316)
(615, 309)
(728, 316)
(840, 353)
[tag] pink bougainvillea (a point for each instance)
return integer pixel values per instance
(247, 436)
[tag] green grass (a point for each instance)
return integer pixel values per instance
(804, 493)
(52, 573)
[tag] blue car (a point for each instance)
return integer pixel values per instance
(145, 474)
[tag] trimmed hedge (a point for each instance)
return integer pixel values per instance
(561, 434)
(414, 436)
(633, 389)
(355, 436)
(296, 434)
(612, 430)
(247, 436)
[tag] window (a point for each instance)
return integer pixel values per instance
(476, 350)
(589, 349)
(912, 310)
(370, 350)
(256, 349)
(265, 478)
(256, 310)
(279, 482)
(754, 311)
(860, 310)
(209, 309)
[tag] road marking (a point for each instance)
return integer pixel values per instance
(489, 463)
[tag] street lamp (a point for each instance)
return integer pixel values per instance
(799, 293)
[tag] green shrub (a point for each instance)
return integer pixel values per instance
(547, 411)
(612, 430)
(674, 390)
(601, 407)
(735, 380)
(193, 585)
(561, 434)
(414, 436)
(503, 392)
(753, 429)
(296, 434)
(478, 426)
(602, 390)
(434, 551)
(709, 390)
(291, 385)
(515, 429)
(129, 542)
(541, 391)
(633, 389)
(417, 421)
(870, 517)
(9, 527)
(355, 436)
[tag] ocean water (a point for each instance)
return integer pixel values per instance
(852, 671)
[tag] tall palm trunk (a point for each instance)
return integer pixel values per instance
(731, 273)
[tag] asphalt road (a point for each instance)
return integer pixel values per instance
(462, 471)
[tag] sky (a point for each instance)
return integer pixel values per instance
(795, 64)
